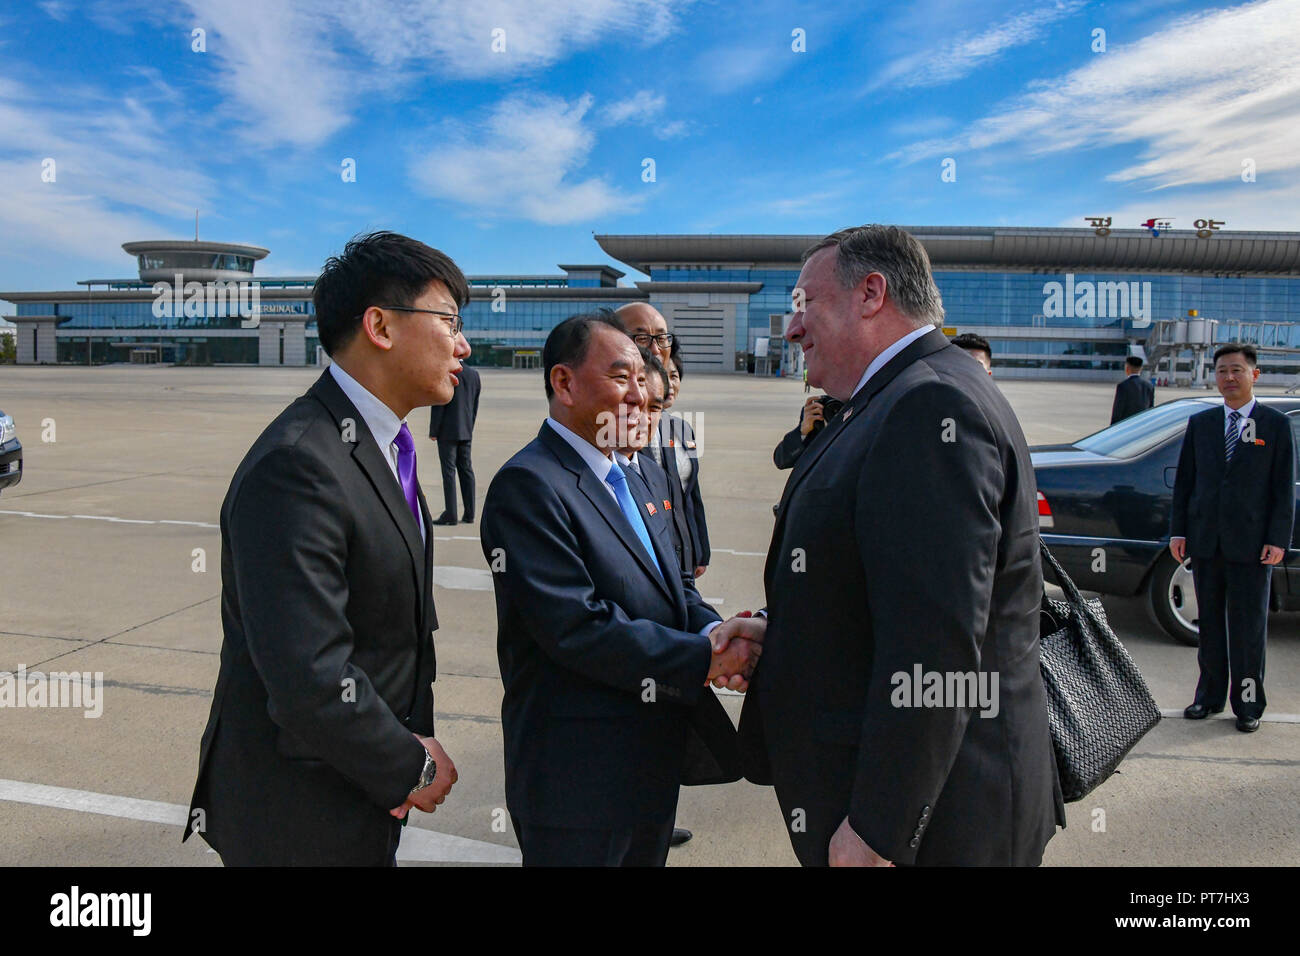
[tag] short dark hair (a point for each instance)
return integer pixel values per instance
(1133, 361)
(567, 344)
(676, 359)
(1245, 348)
(379, 268)
(973, 343)
(653, 365)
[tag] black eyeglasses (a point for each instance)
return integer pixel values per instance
(455, 320)
(665, 339)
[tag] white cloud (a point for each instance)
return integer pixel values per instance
(1197, 97)
(119, 172)
(301, 70)
(58, 9)
(641, 108)
(960, 57)
(525, 162)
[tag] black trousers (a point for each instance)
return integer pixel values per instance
(1233, 602)
(643, 845)
(382, 852)
(454, 456)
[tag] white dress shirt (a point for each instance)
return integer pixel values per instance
(379, 418)
(878, 362)
(1245, 411)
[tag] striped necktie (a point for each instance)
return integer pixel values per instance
(1233, 435)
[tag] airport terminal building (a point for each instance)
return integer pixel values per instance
(1054, 303)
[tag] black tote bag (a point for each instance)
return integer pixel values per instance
(1098, 705)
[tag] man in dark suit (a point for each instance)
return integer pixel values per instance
(674, 447)
(320, 737)
(905, 555)
(1134, 394)
(452, 427)
(1233, 511)
(658, 484)
(605, 649)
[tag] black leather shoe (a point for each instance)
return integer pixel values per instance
(445, 518)
(1199, 712)
(468, 519)
(1248, 725)
(680, 836)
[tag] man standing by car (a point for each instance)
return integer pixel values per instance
(1234, 505)
(1134, 394)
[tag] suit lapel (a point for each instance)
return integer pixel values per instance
(659, 536)
(598, 494)
(365, 452)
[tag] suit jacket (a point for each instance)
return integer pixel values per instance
(907, 537)
(675, 432)
(1134, 394)
(1236, 506)
(455, 420)
(661, 491)
(327, 660)
(605, 711)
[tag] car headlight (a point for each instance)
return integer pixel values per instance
(7, 430)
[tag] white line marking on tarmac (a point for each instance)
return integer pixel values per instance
(205, 524)
(419, 845)
(1266, 719)
(33, 514)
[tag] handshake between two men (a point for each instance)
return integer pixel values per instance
(737, 646)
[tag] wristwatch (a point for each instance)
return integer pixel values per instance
(427, 774)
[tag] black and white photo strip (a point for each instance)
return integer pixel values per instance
(649, 433)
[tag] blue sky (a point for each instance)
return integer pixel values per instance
(510, 160)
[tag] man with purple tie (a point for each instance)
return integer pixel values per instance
(321, 737)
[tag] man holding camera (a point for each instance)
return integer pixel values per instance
(812, 419)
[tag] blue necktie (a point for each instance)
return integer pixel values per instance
(1232, 437)
(617, 479)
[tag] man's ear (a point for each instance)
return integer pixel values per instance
(872, 292)
(562, 384)
(375, 327)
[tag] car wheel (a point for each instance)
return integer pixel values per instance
(1172, 599)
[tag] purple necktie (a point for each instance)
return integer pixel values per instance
(406, 468)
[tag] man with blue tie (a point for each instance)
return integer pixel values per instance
(605, 647)
(1233, 510)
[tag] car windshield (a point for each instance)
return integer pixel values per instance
(1145, 430)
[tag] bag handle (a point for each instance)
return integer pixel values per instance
(1072, 592)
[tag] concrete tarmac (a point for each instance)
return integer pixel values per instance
(112, 565)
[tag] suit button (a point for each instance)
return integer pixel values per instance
(914, 842)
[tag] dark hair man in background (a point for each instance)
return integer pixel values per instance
(452, 427)
(917, 553)
(1233, 511)
(1134, 394)
(320, 737)
(977, 347)
(605, 647)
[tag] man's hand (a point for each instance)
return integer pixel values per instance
(699, 572)
(743, 625)
(1178, 548)
(733, 667)
(812, 413)
(1271, 555)
(848, 849)
(436, 792)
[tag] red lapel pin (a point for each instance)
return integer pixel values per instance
(668, 505)
(650, 507)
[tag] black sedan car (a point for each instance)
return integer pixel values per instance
(1104, 503)
(11, 453)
